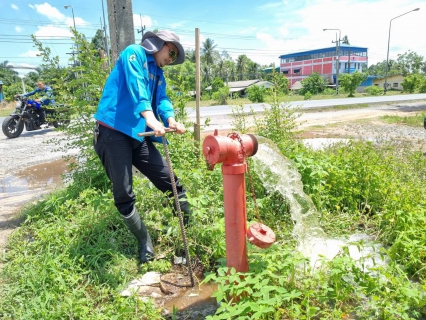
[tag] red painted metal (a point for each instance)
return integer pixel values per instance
(260, 235)
(229, 152)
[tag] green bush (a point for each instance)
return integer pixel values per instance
(411, 82)
(374, 90)
(422, 85)
(221, 96)
(307, 96)
(314, 84)
(256, 93)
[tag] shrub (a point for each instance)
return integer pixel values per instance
(350, 82)
(256, 93)
(374, 90)
(314, 84)
(411, 83)
(221, 95)
(308, 95)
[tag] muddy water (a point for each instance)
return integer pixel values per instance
(194, 302)
(30, 182)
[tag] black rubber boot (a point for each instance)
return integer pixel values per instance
(184, 208)
(138, 228)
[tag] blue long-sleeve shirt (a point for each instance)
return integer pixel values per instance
(129, 90)
(47, 98)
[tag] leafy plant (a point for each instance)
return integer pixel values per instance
(256, 93)
(350, 82)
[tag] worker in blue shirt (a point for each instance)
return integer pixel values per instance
(1, 91)
(46, 99)
(133, 101)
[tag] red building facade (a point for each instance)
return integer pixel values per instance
(299, 65)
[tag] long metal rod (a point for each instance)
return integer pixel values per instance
(182, 226)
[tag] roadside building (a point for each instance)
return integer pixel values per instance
(394, 82)
(241, 86)
(300, 65)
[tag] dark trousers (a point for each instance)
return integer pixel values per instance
(118, 152)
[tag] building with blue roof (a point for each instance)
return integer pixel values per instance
(325, 61)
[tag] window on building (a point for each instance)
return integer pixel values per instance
(376, 84)
(395, 84)
(285, 71)
(296, 71)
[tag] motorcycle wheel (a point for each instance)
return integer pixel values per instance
(10, 129)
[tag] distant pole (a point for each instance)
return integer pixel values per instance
(338, 58)
(142, 27)
(387, 57)
(105, 36)
(120, 19)
(197, 125)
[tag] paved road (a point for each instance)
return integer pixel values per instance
(303, 104)
(306, 104)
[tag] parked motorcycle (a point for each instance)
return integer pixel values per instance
(27, 113)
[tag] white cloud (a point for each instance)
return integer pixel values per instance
(146, 21)
(52, 13)
(365, 23)
(14, 6)
(52, 32)
(30, 53)
(18, 29)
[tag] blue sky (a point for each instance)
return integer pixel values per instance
(262, 30)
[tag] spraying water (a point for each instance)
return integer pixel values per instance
(279, 174)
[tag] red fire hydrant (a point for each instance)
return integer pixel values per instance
(232, 151)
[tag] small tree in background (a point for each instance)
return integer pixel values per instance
(221, 95)
(256, 93)
(411, 83)
(217, 84)
(314, 84)
(349, 82)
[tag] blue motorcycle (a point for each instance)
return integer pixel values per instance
(28, 113)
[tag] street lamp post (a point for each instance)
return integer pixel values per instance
(73, 19)
(338, 59)
(387, 56)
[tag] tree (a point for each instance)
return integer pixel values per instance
(190, 55)
(242, 65)
(345, 40)
(256, 93)
(411, 82)
(410, 63)
(208, 53)
(281, 83)
(314, 84)
(217, 84)
(350, 82)
(98, 40)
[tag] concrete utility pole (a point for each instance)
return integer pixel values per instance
(197, 125)
(120, 20)
(338, 57)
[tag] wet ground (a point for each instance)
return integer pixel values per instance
(22, 187)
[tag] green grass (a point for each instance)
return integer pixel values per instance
(415, 120)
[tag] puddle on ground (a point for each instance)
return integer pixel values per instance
(194, 303)
(30, 182)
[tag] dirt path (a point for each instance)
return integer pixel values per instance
(30, 166)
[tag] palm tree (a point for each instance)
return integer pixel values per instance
(242, 66)
(208, 52)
